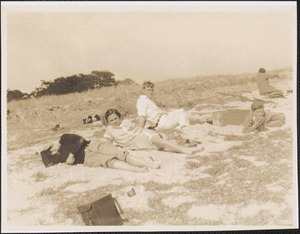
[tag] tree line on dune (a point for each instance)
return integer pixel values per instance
(71, 84)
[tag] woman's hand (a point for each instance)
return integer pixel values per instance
(163, 112)
(70, 159)
(259, 120)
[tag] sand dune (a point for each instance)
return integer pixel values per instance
(220, 186)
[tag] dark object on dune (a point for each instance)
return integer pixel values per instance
(192, 143)
(186, 142)
(97, 117)
(91, 119)
(57, 126)
(262, 70)
(131, 193)
(209, 121)
(88, 120)
(105, 211)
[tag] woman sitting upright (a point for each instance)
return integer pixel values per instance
(127, 135)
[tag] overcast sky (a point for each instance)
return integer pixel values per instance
(144, 44)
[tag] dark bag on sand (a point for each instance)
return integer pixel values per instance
(105, 211)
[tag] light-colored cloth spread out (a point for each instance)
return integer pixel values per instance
(173, 119)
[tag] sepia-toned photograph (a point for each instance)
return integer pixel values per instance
(148, 116)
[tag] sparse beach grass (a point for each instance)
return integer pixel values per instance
(232, 181)
(249, 183)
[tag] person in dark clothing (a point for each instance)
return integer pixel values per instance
(70, 149)
(73, 149)
(264, 88)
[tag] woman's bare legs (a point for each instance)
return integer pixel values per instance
(135, 161)
(170, 146)
(116, 164)
(276, 93)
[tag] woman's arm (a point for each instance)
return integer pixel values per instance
(250, 125)
(142, 106)
(71, 159)
(70, 145)
(108, 136)
(142, 122)
(249, 129)
(271, 75)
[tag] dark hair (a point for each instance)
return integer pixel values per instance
(147, 83)
(256, 105)
(261, 70)
(110, 112)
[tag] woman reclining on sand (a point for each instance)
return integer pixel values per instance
(73, 149)
(127, 135)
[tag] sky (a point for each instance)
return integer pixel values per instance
(144, 43)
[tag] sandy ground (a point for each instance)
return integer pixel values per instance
(31, 187)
